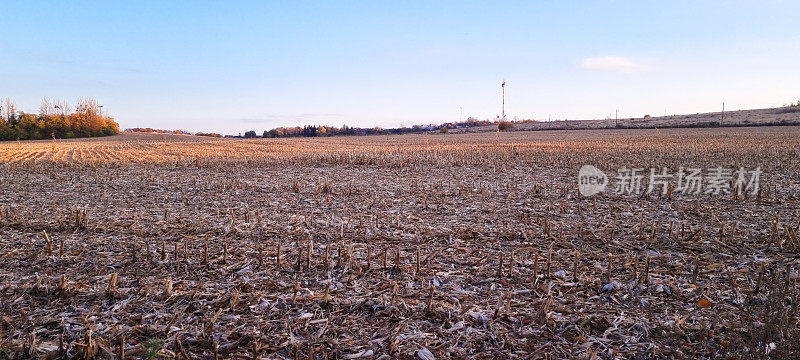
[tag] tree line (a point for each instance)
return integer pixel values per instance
(55, 120)
(173, 132)
(326, 130)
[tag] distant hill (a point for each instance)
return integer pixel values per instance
(787, 115)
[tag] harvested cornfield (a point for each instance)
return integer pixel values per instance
(414, 246)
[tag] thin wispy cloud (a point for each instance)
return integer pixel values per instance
(614, 63)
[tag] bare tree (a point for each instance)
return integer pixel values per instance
(47, 107)
(88, 106)
(63, 107)
(8, 109)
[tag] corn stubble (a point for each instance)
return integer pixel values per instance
(446, 245)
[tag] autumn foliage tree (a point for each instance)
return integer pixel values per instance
(55, 120)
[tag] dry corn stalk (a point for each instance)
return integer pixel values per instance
(111, 290)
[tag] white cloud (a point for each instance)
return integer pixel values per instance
(613, 63)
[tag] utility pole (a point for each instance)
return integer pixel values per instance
(722, 121)
(503, 118)
(616, 117)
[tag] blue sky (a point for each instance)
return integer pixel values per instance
(239, 65)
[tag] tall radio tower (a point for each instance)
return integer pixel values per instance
(504, 101)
